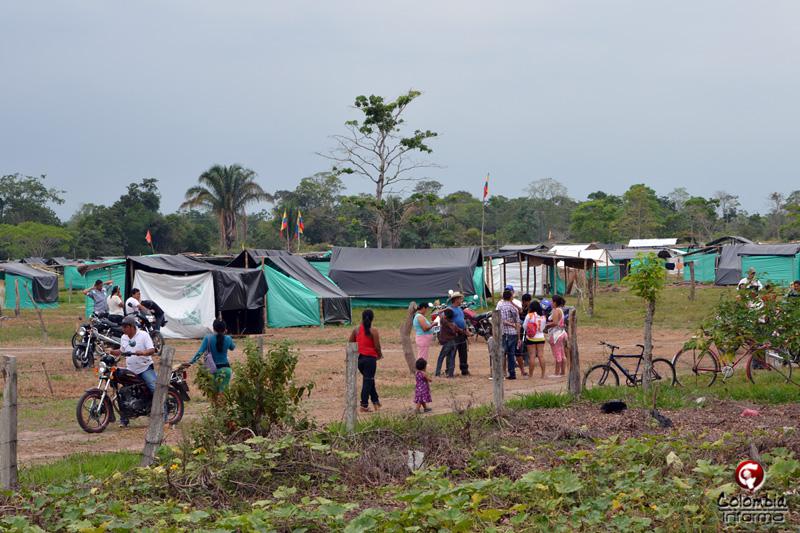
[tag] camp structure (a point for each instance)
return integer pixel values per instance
(605, 269)
(705, 265)
(253, 257)
(562, 271)
(777, 264)
(299, 295)
(29, 286)
(625, 258)
(110, 270)
(508, 268)
(381, 277)
(192, 294)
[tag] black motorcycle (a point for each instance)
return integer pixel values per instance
(91, 341)
(122, 391)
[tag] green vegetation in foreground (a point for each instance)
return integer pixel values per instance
(75, 466)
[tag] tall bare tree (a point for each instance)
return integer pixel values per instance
(375, 149)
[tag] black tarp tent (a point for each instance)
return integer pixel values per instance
(252, 257)
(238, 292)
(390, 277)
(299, 295)
(42, 286)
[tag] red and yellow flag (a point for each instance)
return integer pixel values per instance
(300, 226)
(486, 188)
(148, 237)
(284, 222)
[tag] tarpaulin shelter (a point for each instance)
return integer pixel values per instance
(774, 263)
(35, 286)
(605, 269)
(112, 269)
(252, 257)
(625, 258)
(705, 266)
(299, 295)
(508, 268)
(555, 284)
(384, 277)
(181, 286)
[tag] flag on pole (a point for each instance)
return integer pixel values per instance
(148, 237)
(486, 189)
(284, 222)
(300, 227)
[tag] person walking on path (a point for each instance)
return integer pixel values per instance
(509, 318)
(449, 333)
(422, 391)
(533, 335)
(369, 351)
(219, 345)
(558, 335)
(424, 331)
(456, 299)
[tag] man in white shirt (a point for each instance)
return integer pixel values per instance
(137, 347)
(750, 282)
(133, 304)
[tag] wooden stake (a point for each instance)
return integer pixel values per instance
(496, 352)
(16, 296)
(351, 380)
(155, 430)
(8, 424)
(519, 260)
(405, 338)
(47, 375)
(574, 380)
(592, 276)
(691, 277)
(38, 312)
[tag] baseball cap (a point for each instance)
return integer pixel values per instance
(509, 287)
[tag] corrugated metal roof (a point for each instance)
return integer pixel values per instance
(651, 243)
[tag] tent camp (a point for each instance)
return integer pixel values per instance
(299, 295)
(193, 294)
(252, 257)
(393, 277)
(774, 263)
(35, 288)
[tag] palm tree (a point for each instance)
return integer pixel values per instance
(226, 191)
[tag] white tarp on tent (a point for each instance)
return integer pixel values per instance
(187, 301)
(513, 278)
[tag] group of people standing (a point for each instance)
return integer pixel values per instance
(110, 305)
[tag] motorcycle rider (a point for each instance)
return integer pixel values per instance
(99, 296)
(137, 347)
(456, 299)
(155, 309)
(133, 304)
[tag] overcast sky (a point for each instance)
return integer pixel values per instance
(599, 95)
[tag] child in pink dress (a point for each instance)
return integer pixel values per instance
(422, 392)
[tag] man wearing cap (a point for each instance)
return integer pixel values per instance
(98, 295)
(750, 282)
(137, 347)
(517, 303)
(461, 341)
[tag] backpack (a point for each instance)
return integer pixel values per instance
(533, 327)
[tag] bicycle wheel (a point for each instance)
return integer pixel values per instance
(600, 376)
(695, 367)
(768, 367)
(662, 372)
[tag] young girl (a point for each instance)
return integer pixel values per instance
(533, 329)
(422, 392)
(558, 336)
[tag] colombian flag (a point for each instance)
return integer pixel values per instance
(486, 188)
(300, 227)
(284, 222)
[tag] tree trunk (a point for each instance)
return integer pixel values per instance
(380, 220)
(648, 344)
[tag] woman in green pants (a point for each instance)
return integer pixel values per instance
(218, 344)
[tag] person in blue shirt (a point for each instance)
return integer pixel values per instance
(456, 299)
(218, 344)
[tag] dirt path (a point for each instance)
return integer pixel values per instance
(47, 426)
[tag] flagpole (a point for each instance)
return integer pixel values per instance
(483, 211)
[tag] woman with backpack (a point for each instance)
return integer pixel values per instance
(558, 334)
(369, 351)
(533, 336)
(217, 346)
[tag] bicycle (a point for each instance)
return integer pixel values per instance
(763, 365)
(605, 375)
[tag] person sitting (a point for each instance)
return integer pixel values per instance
(794, 291)
(154, 309)
(115, 305)
(137, 347)
(133, 304)
(750, 282)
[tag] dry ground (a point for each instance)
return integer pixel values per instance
(48, 429)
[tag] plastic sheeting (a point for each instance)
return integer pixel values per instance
(367, 273)
(335, 302)
(187, 301)
(774, 269)
(705, 267)
(289, 302)
(43, 286)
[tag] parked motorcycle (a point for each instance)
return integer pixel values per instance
(478, 325)
(91, 342)
(120, 390)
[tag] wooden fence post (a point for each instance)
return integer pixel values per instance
(496, 354)
(8, 424)
(405, 338)
(691, 277)
(350, 380)
(574, 380)
(155, 430)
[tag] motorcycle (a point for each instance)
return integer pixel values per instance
(91, 341)
(478, 324)
(120, 390)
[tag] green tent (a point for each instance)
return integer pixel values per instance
(774, 269)
(35, 286)
(113, 269)
(323, 267)
(73, 278)
(705, 267)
